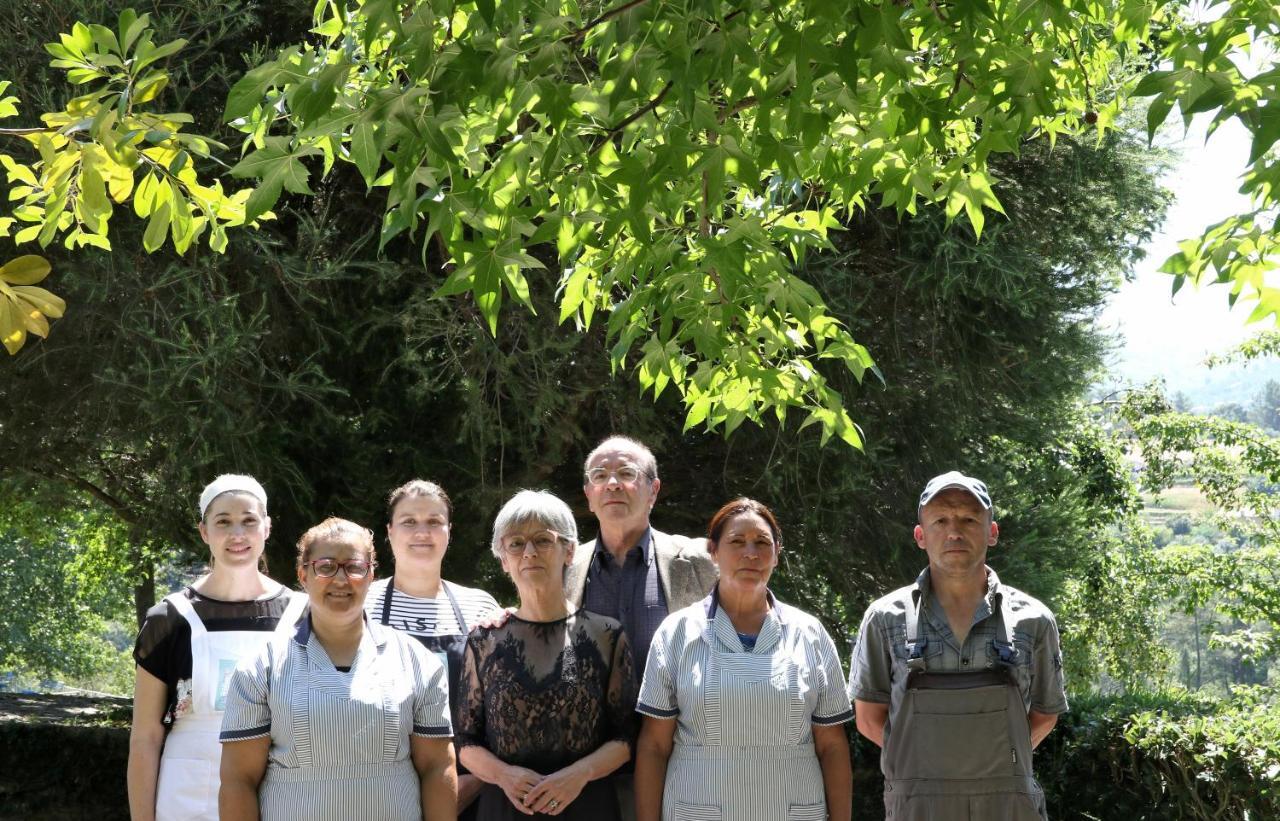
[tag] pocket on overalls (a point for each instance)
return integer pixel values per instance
(957, 736)
(807, 812)
(695, 812)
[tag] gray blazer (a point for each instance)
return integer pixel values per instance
(684, 566)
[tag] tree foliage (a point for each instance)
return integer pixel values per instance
(671, 165)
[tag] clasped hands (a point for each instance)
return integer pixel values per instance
(531, 792)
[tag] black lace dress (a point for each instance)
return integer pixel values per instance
(542, 695)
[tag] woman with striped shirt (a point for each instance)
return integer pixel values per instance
(341, 718)
(417, 600)
(743, 697)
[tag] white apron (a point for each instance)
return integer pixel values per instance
(189, 766)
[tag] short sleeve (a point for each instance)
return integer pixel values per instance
(621, 696)
(248, 715)
(657, 690)
(430, 693)
(1048, 684)
(871, 670)
(834, 705)
(468, 717)
(154, 649)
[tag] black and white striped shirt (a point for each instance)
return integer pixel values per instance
(430, 617)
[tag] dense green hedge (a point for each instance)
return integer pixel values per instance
(1169, 756)
(53, 771)
(1136, 758)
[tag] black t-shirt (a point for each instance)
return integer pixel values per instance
(163, 647)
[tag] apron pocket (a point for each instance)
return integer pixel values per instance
(960, 746)
(185, 788)
(696, 812)
(807, 812)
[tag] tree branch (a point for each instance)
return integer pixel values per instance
(631, 118)
(617, 11)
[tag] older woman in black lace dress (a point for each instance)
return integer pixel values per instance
(547, 705)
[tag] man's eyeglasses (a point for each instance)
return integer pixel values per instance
(542, 542)
(328, 568)
(626, 475)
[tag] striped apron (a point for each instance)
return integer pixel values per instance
(757, 762)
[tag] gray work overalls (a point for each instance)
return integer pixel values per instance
(958, 745)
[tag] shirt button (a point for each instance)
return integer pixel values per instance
(965, 662)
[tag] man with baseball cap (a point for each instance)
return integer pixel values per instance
(958, 676)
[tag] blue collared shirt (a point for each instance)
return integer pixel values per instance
(631, 593)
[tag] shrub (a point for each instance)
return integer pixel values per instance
(1162, 756)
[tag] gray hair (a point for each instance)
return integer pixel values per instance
(541, 506)
(647, 463)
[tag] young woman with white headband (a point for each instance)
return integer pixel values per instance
(187, 648)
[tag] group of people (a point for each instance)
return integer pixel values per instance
(641, 675)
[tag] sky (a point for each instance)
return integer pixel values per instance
(1165, 336)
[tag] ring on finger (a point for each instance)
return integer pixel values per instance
(554, 803)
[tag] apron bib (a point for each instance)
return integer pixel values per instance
(189, 765)
(959, 745)
(448, 648)
(755, 763)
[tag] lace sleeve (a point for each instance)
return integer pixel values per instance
(468, 720)
(621, 697)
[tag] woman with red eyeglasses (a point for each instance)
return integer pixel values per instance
(342, 717)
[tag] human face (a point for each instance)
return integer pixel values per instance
(955, 530)
(236, 530)
(419, 531)
(746, 553)
(618, 503)
(339, 595)
(534, 569)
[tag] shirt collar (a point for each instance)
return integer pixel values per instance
(986, 608)
(302, 633)
(645, 544)
(712, 603)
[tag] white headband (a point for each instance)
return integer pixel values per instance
(231, 483)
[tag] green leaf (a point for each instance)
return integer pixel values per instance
(158, 53)
(250, 90)
(365, 152)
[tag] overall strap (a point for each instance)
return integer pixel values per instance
(453, 600)
(915, 644)
(1006, 650)
(386, 601)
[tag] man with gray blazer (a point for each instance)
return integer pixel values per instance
(632, 572)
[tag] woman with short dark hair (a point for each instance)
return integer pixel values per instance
(743, 697)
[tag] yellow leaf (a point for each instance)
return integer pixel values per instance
(35, 322)
(25, 270)
(13, 331)
(41, 300)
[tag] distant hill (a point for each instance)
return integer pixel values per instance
(1205, 388)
